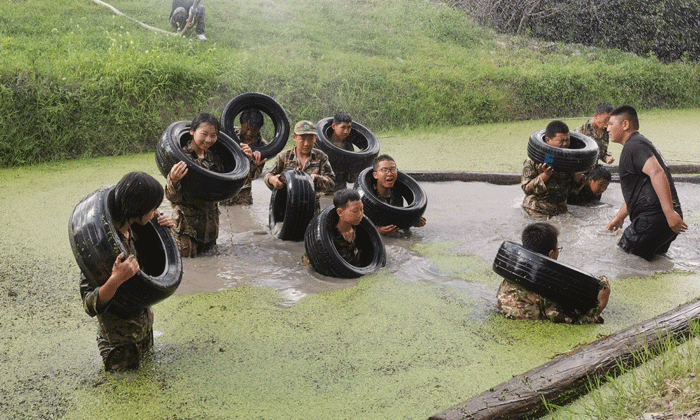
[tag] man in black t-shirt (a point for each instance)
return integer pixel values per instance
(650, 196)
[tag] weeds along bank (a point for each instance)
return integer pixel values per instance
(76, 80)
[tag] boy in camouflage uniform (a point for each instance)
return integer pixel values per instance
(303, 157)
(249, 134)
(341, 128)
(545, 190)
(348, 206)
(596, 128)
(196, 220)
(595, 183)
(123, 341)
(516, 302)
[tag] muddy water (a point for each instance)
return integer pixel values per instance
(473, 218)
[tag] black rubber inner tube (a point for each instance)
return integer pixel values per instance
(574, 290)
(581, 155)
(266, 105)
(200, 182)
(293, 206)
(346, 160)
(326, 260)
(384, 214)
(96, 245)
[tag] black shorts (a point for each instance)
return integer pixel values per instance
(647, 236)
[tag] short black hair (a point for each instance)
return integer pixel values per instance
(205, 118)
(381, 158)
(627, 112)
(603, 108)
(342, 117)
(136, 194)
(252, 117)
(540, 237)
(342, 197)
(556, 127)
(599, 172)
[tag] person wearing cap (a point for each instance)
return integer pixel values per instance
(249, 134)
(303, 157)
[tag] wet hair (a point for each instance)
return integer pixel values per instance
(381, 158)
(252, 118)
(603, 108)
(626, 112)
(136, 194)
(342, 117)
(556, 127)
(343, 197)
(205, 118)
(599, 172)
(540, 237)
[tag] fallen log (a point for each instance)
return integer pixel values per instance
(563, 379)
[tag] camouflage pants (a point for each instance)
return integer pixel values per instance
(245, 197)
(122, 354)
(190, 247)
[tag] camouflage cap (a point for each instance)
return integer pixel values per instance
(304, 127)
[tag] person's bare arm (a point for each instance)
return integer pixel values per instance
(619, 219)
(659, 181)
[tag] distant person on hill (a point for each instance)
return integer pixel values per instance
(249, 134)
(516, 302)
(303, 157)
(595, 183)
(647, 186)
(340, 137)
(179, 16)
(545, 190)
(385, 173)
(597, 128)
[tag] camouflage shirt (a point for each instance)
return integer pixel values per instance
(316, 164)
(516, 302)
(255, 170)
(582, 195)
(196, 218)
(600, 137)
(347, 249)
(545, 198)
(112, 330)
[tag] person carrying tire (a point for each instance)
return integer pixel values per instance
(516, 302)
(303, 157)
(180, 15)
(196, 220)
(596, 128)
(340, 137)
(249, 134)
(647, 186)
(595, 183)
(123, 341)
(384, 172)
(348, 205)
(546, 190)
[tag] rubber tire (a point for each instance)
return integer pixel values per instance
(324, 257)
(581, 155)
(93, 239)
(200, 182)
(266, 105)
(384, 214)
(575, 291)
(346, 161)
(293, 206)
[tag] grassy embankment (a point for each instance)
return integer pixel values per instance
(75, 80)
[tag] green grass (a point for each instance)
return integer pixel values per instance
(78, 81)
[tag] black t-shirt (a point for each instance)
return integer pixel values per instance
(637, 189)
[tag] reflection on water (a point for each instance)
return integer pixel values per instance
(474, 217)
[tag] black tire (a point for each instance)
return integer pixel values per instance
(326, 260)
(264, 104)
(383, 214)
(575, 291)
(95, 244)
(581, 155)
(292, 207)
(199, 182)
(346, 161)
